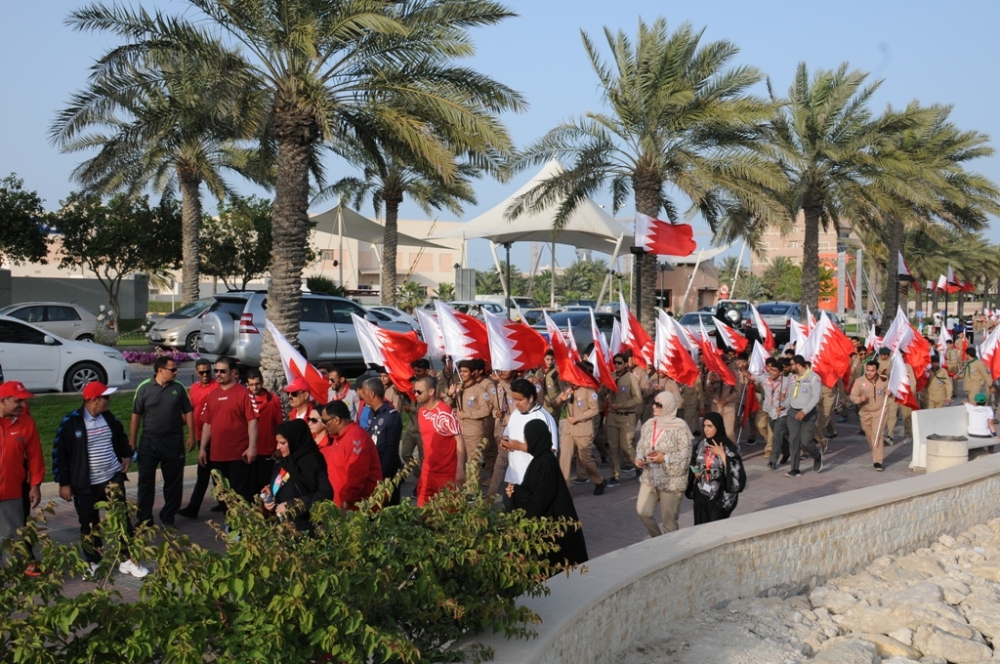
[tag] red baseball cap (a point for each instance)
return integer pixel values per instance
(297, 385)
(97, 389)
(14, 389)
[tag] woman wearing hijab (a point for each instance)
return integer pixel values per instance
(543, 493)
(665, 446)
(299, 473)
(716, 476)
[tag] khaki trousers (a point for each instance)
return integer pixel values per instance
(869, 422)
(620, 430)
(763, 424)
(934, 403)
(670, 508)
(824, 422)
(411, 441)
(729, 420)
(581, 446)
(499, 471)
(690, 415)
(891, 414)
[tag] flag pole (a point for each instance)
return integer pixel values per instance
(739, 433)
(881, 416)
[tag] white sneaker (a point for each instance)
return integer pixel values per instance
(91, 573)
(129, 567)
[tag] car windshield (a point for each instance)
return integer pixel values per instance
(773, 309)
(191, 310)
(693, 318)
(574, 317)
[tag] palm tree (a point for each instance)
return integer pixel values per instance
(678, 115)
(326, 69)
(171, 123)
(488, 282)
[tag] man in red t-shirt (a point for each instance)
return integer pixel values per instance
(444, 449)
(269, 416)
(198, 393)
(21, 461)
(230, 424)
(352, 460)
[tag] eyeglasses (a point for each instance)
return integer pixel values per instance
(618, 363)
(316, 420)
(204, 373)
(297, 394)
(170, 369)
(222, 371)
(327, 421)
(418, 392)
(657, 404)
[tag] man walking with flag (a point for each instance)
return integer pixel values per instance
(940, 389)
(577, 435)
(869, 394)
(805, 390)
(620, 421)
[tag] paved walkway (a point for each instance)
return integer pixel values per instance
(610, 521)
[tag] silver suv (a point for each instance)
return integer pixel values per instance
(234, 326)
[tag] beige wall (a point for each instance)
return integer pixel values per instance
(592, 618)
(704, 290)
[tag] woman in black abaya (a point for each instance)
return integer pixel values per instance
(543, 493)
(299, 473)
(717, 475)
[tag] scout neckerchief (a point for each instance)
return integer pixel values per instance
(799, 379)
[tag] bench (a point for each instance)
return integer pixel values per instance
(949, 421)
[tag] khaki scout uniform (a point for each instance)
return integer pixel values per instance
(891, 408)
(410, 440)
(940, 389)
(549, 392)
(870, 397)
(975, 379)
(691, 400)
(724, 399)
(474, 409)
(621, 421)
(577, 434)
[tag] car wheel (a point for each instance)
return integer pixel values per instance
(192, 343)
(81, 374)
(89, 338)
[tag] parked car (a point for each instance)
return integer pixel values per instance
(44, 361)
(694, 319)
(182, 328)
(393, 314)
(778, 315)
(63, 319)
(476, 307)
(580, 320)
(234, 326)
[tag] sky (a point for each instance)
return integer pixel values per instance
(932, 52)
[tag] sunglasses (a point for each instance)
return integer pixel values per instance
(418, 392)
(297, 394)
(171, 370)
(316, 420)
(222, 371)
(327, 421)
(204, 373)
(619, 363)
(657, 404)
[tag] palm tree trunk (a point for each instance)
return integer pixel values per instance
(190, 240)
(890, 293)
(810, 257)
(647, 201)
(295, 131)
(388, 295)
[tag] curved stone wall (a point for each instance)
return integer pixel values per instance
(637, 590)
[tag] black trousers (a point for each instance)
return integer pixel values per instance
(263, 468)
(706, 511)
(166, 453)
(90, 516)
(200, 487)
(240, 475)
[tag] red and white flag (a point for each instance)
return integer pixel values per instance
(574, 352)
(942, 284)
(797, 333)
(942, 346)
(903, 272)
(569, 371)
(615, 345)
(916, 350)
(296, 366)
(431, 331)
(392, 350)
(763, 331)
(712, 357)
(829, 350)
(672, 358)
(662, 238)
(465, 337)
(931, 286)
(872, 342)
(513, 346)
(733, 339)
(810, 321)
(899, 383)
(634, 337)
(988, 352)
(601, 357)
(758, 360)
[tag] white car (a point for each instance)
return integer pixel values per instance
(63, 319)
(394, 314)
(45, 362)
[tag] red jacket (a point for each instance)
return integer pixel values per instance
(19, 442)
(353, 465)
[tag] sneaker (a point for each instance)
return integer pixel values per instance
(842, 419)
(907, 440)
(599, 489)
(129, 567)
(613, 482)
(580, 481)
(793, 473)
(832, 435)
(771, 465)
(878, 468)
(783, 460)
(188, 513)
(752, 441)
(818, 463)
(91, 572)
(33, 570)
(889, 442)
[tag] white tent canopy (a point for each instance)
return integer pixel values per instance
(589, 226)
(358, 227)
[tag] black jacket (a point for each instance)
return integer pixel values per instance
(70, 461)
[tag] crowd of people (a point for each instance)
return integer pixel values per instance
(531, 433)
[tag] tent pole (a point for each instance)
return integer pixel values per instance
(510, 289)
(736, 275)
(694, 272)
(607, 278)
(552, 287)
(340, 232)
(496, 262)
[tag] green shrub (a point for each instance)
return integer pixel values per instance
(396, 584)
(318, 284)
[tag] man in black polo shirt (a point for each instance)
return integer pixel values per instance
(385, 426)
(163, 407)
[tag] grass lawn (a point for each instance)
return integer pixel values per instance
(48, 411)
